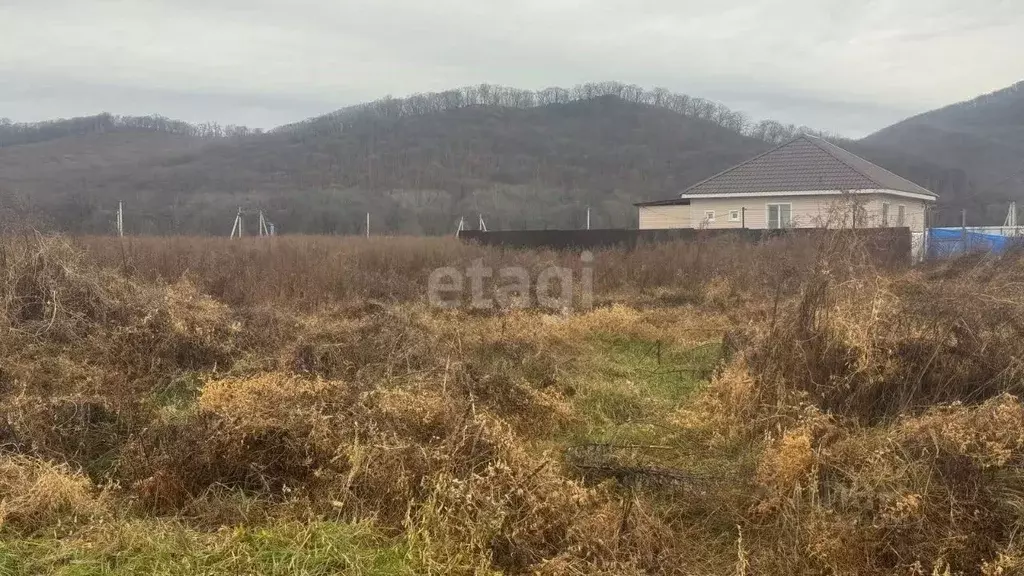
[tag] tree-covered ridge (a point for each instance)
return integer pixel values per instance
(18, 133)
(770, 131)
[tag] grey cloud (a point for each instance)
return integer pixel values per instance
(34, 98)
(832, 64)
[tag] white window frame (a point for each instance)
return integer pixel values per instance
(767, 222)
(885, 214)
(734, 215)
(709, 216)
(901, 215)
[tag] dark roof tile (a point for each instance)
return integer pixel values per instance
(804, 164)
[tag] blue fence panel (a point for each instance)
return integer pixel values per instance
(947, 242)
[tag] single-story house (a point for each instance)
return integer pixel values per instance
(807, 182)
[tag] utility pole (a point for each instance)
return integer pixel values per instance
(120, 219)
(588, 217)
(236, 230)
(1011, 216)
(367, 224)
(743, 217)
(266, 226)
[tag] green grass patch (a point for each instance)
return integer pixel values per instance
(613, 405)
(628, 397)
(632, 386)
(661, 372)
(169, 548)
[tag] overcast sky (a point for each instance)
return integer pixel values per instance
(850, 66)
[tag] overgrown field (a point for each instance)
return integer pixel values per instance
(295, 406)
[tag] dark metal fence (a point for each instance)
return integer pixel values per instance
(892, 245)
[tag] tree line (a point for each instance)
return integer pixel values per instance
(18, 133)
(770, 131)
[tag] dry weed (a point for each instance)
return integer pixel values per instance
(37, 495)
(862, 420)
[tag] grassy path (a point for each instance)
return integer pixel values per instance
(170, 549)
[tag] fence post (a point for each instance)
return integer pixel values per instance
(926, 238)
(963, 228)
(743, 217)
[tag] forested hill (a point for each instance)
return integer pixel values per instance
(981, 141)
(507, 97)
(522, 159)
(415, 164)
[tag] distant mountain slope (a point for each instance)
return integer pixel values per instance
(520, 158)
(68, 182)
(82, 155)
(982, 138)
(589, 146)
(997, 117)
(539, 166)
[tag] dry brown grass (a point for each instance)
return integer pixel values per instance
(887, 407)
(313, 272)
(867, 422)
(36, 495)
(932, 491)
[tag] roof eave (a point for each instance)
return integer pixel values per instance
(669, 202)
(928, 197)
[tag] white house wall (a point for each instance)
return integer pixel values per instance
(915, 211)
(664, 217)
(807, 211)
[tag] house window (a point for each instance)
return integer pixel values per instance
(734, 215)
(885, 214)
(901, 215)
(860, 216)
(709, 215)
(779, 216)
